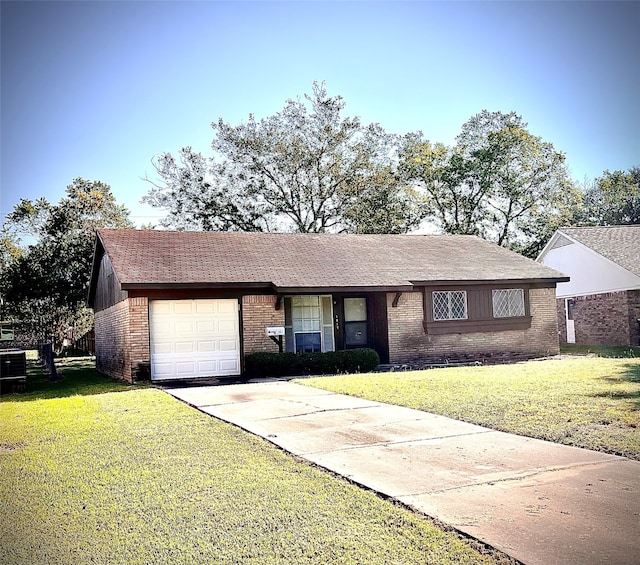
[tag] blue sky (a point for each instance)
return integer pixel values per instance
(96, 89)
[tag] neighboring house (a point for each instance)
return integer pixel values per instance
(173, 305)
(6, 332)
(600, 305)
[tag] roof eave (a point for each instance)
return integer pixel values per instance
(475, 282)
(342, 289)
(264, 285)
(194, 285)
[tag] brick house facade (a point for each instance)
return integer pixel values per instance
(410, 344)
(154, 320)
(609, 318)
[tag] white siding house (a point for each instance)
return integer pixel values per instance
(601, 302)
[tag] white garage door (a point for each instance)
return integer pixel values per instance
(194, 338)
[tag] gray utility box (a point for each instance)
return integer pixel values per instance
(13, 370)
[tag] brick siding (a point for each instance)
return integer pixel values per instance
(139, 338)
(112, 341)
(633, 297)
(259, 312)
(122, 340)
(408, 342)
(562, 319)
(609, 318)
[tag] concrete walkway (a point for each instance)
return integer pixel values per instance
(540, 502)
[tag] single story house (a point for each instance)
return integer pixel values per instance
(600, 305)
(177, 305)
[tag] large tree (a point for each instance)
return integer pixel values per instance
(45, 284)
(306, 168)
(613, 199)
(499, 181)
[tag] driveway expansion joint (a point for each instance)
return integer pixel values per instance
(384, 443)
(516, 476)
(318, 411)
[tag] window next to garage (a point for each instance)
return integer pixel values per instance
(308, 324)
(476, 308)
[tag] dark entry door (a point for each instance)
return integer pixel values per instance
(355, 323)
(361, 321)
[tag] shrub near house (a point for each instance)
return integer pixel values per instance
(263, 364)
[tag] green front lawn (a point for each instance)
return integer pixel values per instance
(93, 471)
(587, 402)
(601, 350)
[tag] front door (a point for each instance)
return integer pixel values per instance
(355, 323)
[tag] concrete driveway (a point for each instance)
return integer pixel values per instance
(540, 502)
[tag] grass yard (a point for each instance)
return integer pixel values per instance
(587, 402)
(601, 350)
(93, 471)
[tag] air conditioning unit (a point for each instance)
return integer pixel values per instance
(13, 370)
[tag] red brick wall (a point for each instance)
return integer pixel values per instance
(139, 338)
(112, 341)
(409, 344)
(407, 340)
(259, 312)
(122, 340)
(607, 318)
(543, 333)
(562, 319)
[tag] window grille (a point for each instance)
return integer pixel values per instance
(449, 305)
(308, 323)
(508, 303)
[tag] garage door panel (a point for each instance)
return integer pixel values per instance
(185, 368)
(194, 338)
(183, 307)
(205, 346)
(162, 328)
(184, 347)
(227, 326)
(206, 306)
(163, 370)
(162, 348)
(226, 307)
(229, 366)
(227, 345)
(184, 327)
(212, 366)
(163, 307)
(208, 326)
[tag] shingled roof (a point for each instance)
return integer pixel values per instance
(620, 244)
(288, 262)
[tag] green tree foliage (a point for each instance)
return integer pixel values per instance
(613, 199)
(499, 182)
(45, 284)
(306, 168)
(10, 249)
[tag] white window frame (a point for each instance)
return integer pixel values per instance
(326, 325)
(449, 296)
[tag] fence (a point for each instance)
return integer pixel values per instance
(85, 344)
